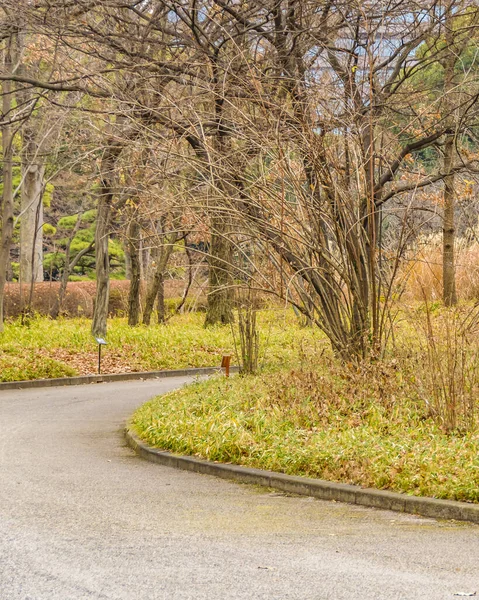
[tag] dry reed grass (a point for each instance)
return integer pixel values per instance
(439, 355)
(423, 270)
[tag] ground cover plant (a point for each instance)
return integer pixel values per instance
(368, 427)
(45, 348)
(407, 423)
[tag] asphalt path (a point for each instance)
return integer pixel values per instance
(82, 517)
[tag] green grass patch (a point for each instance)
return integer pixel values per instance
(63, 347)
(363, 427)
(30, 366)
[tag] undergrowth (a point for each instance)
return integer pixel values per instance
(366, 426)
(55, 348)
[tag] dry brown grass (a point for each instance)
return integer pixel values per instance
(80, 297)
(423, 271)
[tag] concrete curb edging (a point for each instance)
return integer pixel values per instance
(84, 379)
(304, 486)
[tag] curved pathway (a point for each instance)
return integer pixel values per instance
(82, 517)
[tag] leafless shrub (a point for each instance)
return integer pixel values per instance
(247, 342)
(447, 368)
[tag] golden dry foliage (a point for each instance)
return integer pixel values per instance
(423, 271)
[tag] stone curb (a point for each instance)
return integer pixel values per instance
(318, 488)
(84, 379)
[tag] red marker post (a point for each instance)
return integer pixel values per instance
(225, 364)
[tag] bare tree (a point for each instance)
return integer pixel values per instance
(337, 125)
(8, 132)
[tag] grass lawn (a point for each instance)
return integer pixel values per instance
(56, 348)
(368, 428)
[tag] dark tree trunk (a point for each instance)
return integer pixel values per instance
(6, 212)
(102, 235)
(448, 237)
(156, 285)
(161, 299)
(133, 244)
(190, 279)
(151, 295)
(220, 285)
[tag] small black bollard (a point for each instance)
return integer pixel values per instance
(101, 342)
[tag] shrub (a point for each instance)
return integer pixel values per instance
(79, 298)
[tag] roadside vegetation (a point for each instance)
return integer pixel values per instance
(46, 348)
(407, 422)
(369, 427)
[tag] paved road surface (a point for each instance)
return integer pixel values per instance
(82, 517)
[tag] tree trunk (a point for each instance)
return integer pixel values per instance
(157, 282)
(448, 228)
(151, 295)
(190, 278)
(102, 235)
(161, 299)
(100, 312)
(31, 222)
(220, 290)
(7, 196)
(133, 244)
(448, 231)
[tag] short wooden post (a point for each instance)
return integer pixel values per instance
(225, 364)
